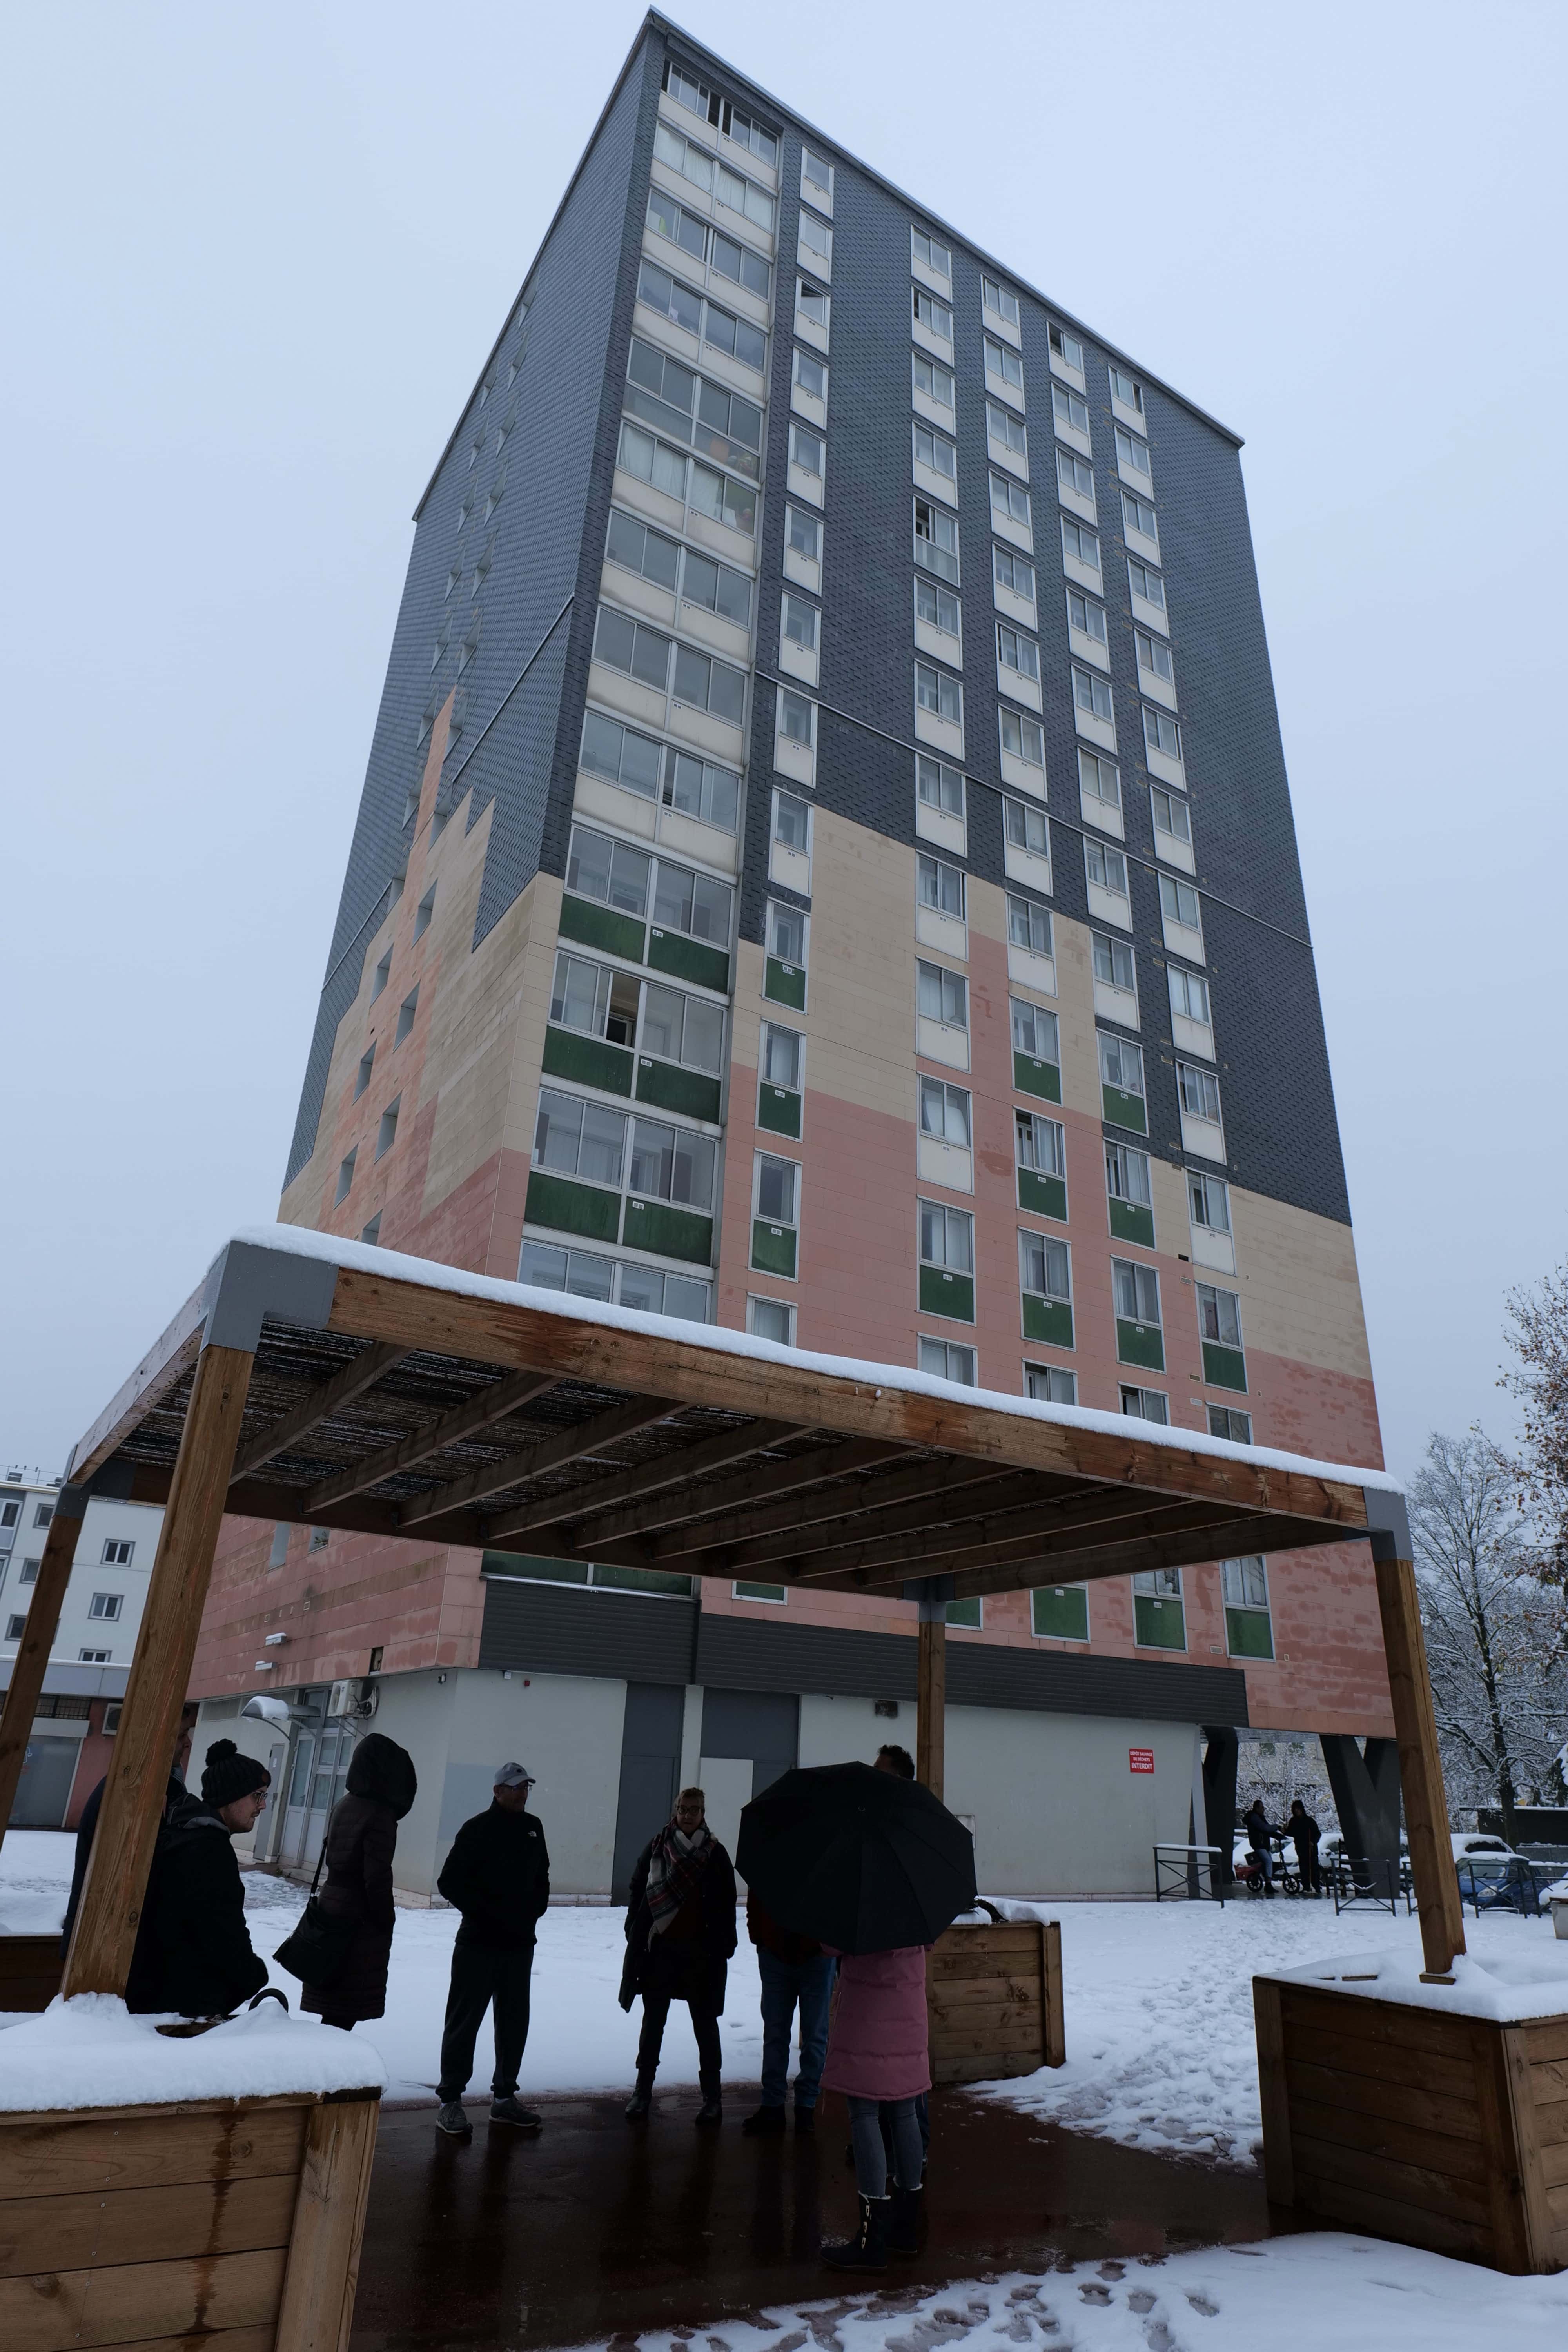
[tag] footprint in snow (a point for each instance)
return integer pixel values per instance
(1101, 2294)
(1112, 2270)
(1202, 2305)
(1141, 2301)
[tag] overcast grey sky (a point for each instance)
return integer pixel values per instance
(256, 258)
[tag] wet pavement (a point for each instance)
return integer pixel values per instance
(598, 2230)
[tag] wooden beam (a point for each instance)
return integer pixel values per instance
(491, 1404)
(1020, 1529)
(502, 1332)
(317, 2306)
(1420, 1768)
(1186, 1547)
(841, 1513)
(319, 1405)
(564, 1445)
(650, 1479)
(931, 1702)
(105, 1935)
(798, 1472)
(32, 1659)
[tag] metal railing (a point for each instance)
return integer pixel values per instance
(1186, 1873)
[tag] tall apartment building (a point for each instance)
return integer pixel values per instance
(826, 865)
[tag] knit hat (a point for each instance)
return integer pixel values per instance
(229, 1775)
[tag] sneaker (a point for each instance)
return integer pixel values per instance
(805, 2122)
(449, 2118)
(767, 2123)
(710, 2114)
(507, 2111)
(637, 2105)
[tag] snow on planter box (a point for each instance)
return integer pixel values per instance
(154, 2187)
(1433, 2113)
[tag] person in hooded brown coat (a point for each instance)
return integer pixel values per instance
(361, 1837)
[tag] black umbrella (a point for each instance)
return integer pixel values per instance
(857, 1858)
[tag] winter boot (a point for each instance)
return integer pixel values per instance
(805, 2121)
(906, 2223)
(868, 2249)
(507, 2111)
(449, 2118)
(710, 2114)
(767, 2123)
(641, 2100)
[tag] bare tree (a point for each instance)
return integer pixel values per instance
(1538, 1335)
(1495, 1630)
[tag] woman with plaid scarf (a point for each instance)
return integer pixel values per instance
(680, 1932)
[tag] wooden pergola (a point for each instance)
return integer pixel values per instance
(318, 1381)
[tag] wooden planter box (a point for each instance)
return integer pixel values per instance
(994, 1995)
(236, 2218)
(1438, 2130)
(30, 1969)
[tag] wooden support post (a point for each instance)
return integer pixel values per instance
(931, 1698)
(32, 1660)
(105, 1933)
(1420, 1769)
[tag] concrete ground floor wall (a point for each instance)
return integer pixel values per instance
(1059, 1804)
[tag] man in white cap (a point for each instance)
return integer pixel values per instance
(498, 1876)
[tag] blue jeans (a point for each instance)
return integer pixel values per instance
(786, 1982)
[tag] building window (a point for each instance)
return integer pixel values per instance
(424, 912)
(1004, 362)
(653, 1161)
(1133, 452)
(9, 1514)
(1044, 1279)
(1219, 1326)
(931, 381)
(1037, 1054)
(1060, 1612)
(1018, 654)
(1145, 1404)
(1135, 1288)
(1075, 475)
(1189, 997)
(935, 452)
(784, 936)
(816, 239)
(319, 1538)
(947, 1239)
(931, 253)
(345, 1177)
(1198, 1092)
(805, 449)
(1079, 544)
(938, 886)
(584, 1274)
(107, 1605)
(1087, 617)
(934, 316)
(1129, 1194)
(1106, 869)
(95, 1657)
(627, 880)
(940, 609)
(967, 1613)
(279, 1551)
(1049, 1384)
(1100, 788)
(386, 1133)
(1039, 1150)
(16, 1627)
(1158, 1615)
(1225, 1422)
(1137, 515)
(1113, 958)
(1145, 584)
(770, 1319)
(812, 305)
(1209, 1200)
(1161, 733)
(938, 785)
(1070, 409)
(361, 1078)
(941, 995)
(816, 179)
(778, 1594)
(726, 254)
(1092, 696)
(118, 1551)
(706, 492)
(1022, 738)
(746, 132)
(1121, 1082)
(42, 1514)
(945, 1111)
(1026, 827)
(944, 1359)
(370, 1234)
(939, 693)
(1013, 573)
(1029, 925)
(1154, 657)
(796, 719)
(998, 298)
(1010, 503)
(809, 375)
(406, 1013)
(800, 622)
(775, 1214)
(1249, 1627)
(632, 546)
(802, 534)
(1065, 344)
(1173, 823)
(736, 338)
(936, 540)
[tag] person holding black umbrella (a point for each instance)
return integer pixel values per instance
(875, 1867)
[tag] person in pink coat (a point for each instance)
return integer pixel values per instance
(879, 2056)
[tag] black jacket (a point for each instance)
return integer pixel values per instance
(193, 1949)
(362, 1838)
(694, 1971)
(86, 1828)
(1303, 1828)
(1257, 1825)
(498, 1876)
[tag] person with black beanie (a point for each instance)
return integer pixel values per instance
(193, 1952)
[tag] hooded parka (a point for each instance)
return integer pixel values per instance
(362, 1838)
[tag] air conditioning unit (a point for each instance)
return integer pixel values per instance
(345, 1699)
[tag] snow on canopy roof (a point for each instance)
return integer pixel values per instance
(301, 1241)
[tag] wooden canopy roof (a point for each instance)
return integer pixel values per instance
(406, 1399)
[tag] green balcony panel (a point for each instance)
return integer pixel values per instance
(673, 1233)
(1049, 1320)
(964, 1612)
(1123, 1110)
(784, 983)
(1129, 1222)
(943, 1293)
(1140, 1343)
(1158, 1625)
(642, 1579)
(772, 1248)
(673, 1088)
(689, 958)
(524, 1564)
(602, 927)
(778, 1109)
(1046, 1195)
(1033, 1077)
(569, 1208)
(1249, 1633)
(1060, 1612)
(745, 1590)
(1224, 1367)
(589, 1060)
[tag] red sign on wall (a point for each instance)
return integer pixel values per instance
(1140, 1759)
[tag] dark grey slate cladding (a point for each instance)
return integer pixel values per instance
(535, 539)
(553, 1629)
(740, 1653)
